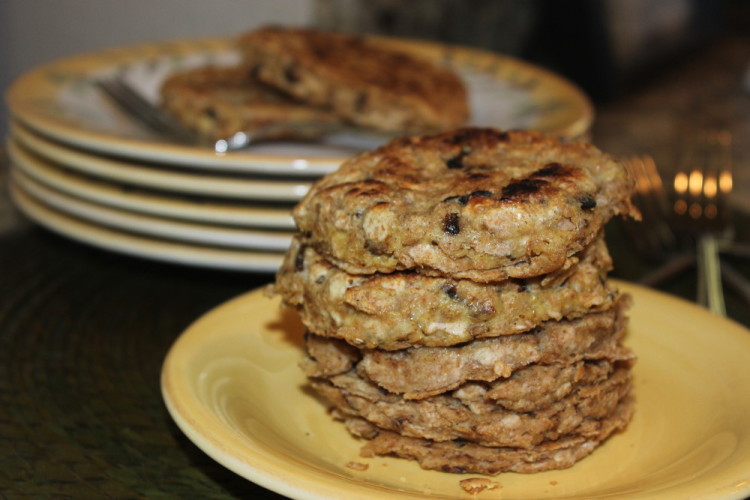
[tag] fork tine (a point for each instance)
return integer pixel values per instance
(126, 101)
(702, 188)
(651, 200)
(133, 103)
(721, 162)
(703, 185)
(654, 237)
(137, 104)
(657, 200)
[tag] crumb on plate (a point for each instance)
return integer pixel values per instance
(476, 485)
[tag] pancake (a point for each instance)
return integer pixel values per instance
(357, 78)
(403, 309)
(445, 417)
(216, 102)
(461, 457)
(480, 204)
(420, 372)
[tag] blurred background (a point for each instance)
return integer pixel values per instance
(603, 45)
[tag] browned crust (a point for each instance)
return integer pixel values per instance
(462, 457)
(357, 78)
(445, 417)
(403, 309)
(421, 372)
(217, 102)
(480, 204)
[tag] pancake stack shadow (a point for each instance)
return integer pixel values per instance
(434, 349)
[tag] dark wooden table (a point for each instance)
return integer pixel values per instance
(83, 332)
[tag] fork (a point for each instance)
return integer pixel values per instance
(654, 236)
(651, 199)
(689, 231)
(132, 102)
(137, 106)
(701, 206)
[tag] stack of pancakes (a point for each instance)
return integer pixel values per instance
(293, 76)
(454, 289)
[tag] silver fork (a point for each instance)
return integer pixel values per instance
(686, 230)
(651, 199)
(654, 236)
(133, 103)
(137, 106)
(701, 206)
(714, 149)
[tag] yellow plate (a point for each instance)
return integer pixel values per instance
(60, 100)
(232, 384)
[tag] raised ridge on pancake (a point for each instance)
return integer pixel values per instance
(473, 203)
(403, 309)
(446, 417)
(462, 457)
(420, 372)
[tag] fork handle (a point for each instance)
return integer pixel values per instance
(311, 130)
(710, 291)
(735, 280)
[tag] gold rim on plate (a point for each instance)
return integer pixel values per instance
(232, 384)
(60, 100)
(126, 243)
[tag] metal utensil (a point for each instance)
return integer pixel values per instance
(688, 222)
(653, 236)
(137, 106)
(132, 102)
(701, 205)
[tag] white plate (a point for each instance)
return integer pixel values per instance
(232, 384)
(159, 227)
(154, 176)
(59, 100)
(139, 246)
(190, 208)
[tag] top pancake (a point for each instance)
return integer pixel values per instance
(473, 203)
(216, 102)
(357, 78)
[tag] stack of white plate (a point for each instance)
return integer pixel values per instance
(84, 169)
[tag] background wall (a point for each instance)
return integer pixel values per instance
(33, 32)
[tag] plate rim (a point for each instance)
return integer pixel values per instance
(170, 367)
(25, 90)
(149, 225)
(143, 247)
(152, 176)
(111, 194)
